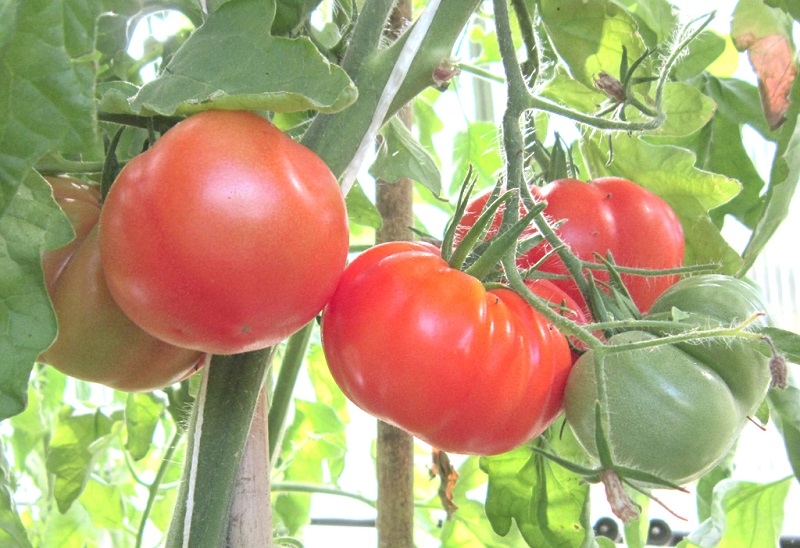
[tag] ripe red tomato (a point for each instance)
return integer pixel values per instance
(425, 347)
(608, 214)
(225, 236)
(96, 341)
(563, 304)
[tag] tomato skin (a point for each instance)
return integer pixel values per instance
(607, 214)
(668, 413)
(425, 347)
(96, 342)
(225, 236)
(714, 300)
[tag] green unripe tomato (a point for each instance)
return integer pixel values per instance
(667, 413)
(714, 300)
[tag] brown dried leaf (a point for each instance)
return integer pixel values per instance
(773, 61)
(448, 476)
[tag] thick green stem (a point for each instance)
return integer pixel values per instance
(737, 331)
(218, 433)
(336, 137)
(284, 386)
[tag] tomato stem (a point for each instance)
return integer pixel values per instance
(738, 331)
(284, 387)
(563, 324)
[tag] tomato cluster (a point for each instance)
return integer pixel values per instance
(225, 236)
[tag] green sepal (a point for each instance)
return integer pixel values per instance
(464, 193)
(501, 244)
(478, 231)
(589, 474)
(600, 439)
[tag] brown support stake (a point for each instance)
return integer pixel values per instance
(251, 513)
(395, 449)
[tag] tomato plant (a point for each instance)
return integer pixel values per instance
(426, 347)
(655, 91)
(96, 340)
(225, 236)
(703, 391)
(606, 215)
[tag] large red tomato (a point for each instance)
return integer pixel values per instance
(426, 347)
(608, 214)
(96, 341)
(225, 236)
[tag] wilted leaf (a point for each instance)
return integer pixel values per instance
(773, 60)
(766, 35)
(232, 62)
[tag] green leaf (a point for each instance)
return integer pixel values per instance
(104, 504)
(549, 504)
(46, 83)
(12, 532)
(589, 36)
(782, 185)
(669, 171)
(686, 108)
(785, 412)
(704, 50)
(231, 62)
(290, 14)
(478, 146)
(69, 530)
(744, 512)
(572, 93)
(720, 148)
(400, 155)
(142, 413)
(325, 388)
(46, 103)
(76, 442)
(316, 436)
(658, 16)
(361, 210)
(30, 223)
(787, 342)
(707, 483)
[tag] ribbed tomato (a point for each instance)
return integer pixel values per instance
(426, 347)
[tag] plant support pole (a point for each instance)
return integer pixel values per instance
(395, 448)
